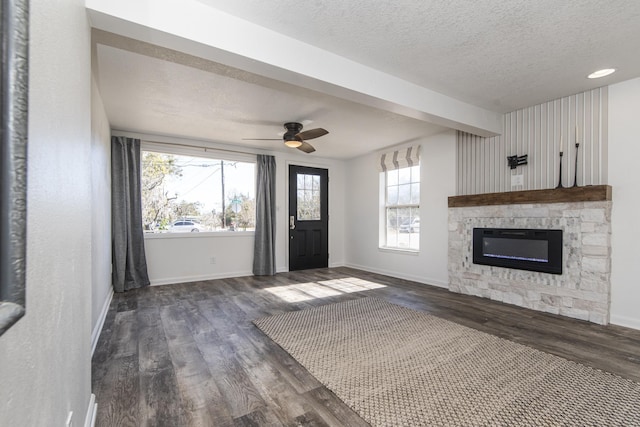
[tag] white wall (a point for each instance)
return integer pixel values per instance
(438, 176)
(181, 258)
(624, 152)
(45, 358)
(176, 259)
(101, 290)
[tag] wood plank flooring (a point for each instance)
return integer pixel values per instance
(188, 354)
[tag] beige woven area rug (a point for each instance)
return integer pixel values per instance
(399, 367)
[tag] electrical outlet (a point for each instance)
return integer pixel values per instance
(212, 260)
(69, 422)
(517, 180)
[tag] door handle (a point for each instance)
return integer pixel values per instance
(292, 222)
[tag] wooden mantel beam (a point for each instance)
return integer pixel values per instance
(590, 193)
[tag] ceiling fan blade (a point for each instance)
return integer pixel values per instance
(262, 139)
(312, 133)
(306, 147)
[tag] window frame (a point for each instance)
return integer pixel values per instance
(385, 206)
(195, 151)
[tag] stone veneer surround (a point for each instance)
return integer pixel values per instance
(582, 291)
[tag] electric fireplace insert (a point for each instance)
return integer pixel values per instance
(524, 249)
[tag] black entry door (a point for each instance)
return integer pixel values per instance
(308, 218)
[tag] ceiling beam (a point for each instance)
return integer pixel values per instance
(192, 27)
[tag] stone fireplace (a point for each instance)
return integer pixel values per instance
(583, 214)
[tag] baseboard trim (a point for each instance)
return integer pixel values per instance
(92, 412)
(399, 275)
(627, 322)
(95, 334)
(186, 279)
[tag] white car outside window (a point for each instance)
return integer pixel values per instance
(186, 226)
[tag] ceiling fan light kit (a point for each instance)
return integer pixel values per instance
(293, 143)
(295, 138)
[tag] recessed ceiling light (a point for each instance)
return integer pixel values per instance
(601, 73)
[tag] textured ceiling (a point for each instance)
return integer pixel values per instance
(499, 55)
(153, 90)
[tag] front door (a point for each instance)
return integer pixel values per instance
(308, 218)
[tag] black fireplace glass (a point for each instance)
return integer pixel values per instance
(517, 249)
(524, 249)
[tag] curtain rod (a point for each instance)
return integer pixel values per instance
(226, 150)
(149, 138)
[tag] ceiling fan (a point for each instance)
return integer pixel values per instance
(295, 138)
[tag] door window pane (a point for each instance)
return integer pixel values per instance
(308, 197)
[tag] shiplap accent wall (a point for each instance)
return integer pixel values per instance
(536, 131)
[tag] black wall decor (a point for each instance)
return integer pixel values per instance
(516, 160)
(14, 15)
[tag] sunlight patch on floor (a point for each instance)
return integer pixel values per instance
(298, 292)
(351, 284)
(316, 290)
(289, 293)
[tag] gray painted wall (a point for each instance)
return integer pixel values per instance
(45, 357)
(101, 213)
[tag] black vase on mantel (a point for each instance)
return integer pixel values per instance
(560, 174)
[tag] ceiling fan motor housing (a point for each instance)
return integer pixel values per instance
(293, 129)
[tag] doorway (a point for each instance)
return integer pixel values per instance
(308, 218)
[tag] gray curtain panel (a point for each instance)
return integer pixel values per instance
(129, 263)
(264, 254)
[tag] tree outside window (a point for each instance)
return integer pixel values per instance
(210, 194)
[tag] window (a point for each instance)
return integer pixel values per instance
(402, 208)
(196, 193)
(400, 199)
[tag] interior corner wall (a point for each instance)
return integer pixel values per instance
(101, 290)
(45, 358)
(624, 152)
(438, 182)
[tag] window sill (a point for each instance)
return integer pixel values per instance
(200, 235)
(413, 252)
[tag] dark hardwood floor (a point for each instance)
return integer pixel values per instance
(188, 354)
